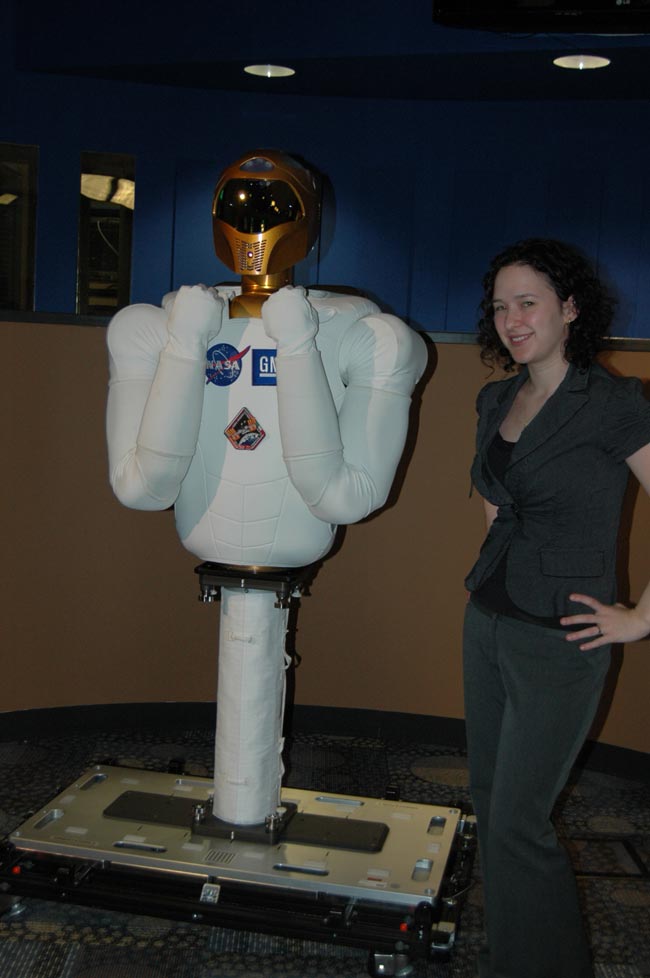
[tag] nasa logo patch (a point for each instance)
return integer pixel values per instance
(224, 364)
(244, 432)
(264, 368)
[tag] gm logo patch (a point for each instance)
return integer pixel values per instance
(264, 368)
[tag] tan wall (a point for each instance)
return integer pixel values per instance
(99, 602)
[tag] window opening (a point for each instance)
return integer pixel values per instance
(107, 200)
(18, 175)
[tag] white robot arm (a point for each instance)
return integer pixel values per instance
(342, 462)
(157, 380)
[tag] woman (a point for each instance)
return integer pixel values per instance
(555, 445)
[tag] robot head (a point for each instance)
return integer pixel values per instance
(265, 213)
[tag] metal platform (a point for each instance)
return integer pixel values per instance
(361, 871)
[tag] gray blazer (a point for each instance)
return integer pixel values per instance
(561, 497)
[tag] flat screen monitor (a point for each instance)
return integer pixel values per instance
(546, 16)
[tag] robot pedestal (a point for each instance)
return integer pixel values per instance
(251, 686)
(365, 872)
(381, 874)
(284, 582)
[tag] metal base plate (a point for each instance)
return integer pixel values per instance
(408, 868)
(289, 826)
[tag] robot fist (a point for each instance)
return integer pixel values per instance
(290, 320)
(195, 319)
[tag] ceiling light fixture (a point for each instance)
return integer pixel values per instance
(581, 62)
(269, 71)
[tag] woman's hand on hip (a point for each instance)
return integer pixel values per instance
(605, 624)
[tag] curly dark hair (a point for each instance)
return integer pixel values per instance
(570, 273)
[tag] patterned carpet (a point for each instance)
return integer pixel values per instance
(604, 819)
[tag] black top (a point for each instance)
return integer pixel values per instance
(493, 594)
(560, 502)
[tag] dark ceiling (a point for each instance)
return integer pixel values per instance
(381, 49)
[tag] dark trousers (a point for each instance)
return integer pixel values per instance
(530, 698)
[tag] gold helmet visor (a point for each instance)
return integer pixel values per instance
(257, 206)
(265, 213)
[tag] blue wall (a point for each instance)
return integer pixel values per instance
(422, 193)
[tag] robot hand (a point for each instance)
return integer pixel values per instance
(195, 319)
(290, 320)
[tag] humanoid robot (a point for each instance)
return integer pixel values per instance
(266, 416)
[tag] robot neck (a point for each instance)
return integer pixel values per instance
(255, 290)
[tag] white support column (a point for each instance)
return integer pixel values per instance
(250, 706)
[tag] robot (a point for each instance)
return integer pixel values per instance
(266, 416)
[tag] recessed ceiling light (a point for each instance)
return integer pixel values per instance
(269, 71)
(581, 62)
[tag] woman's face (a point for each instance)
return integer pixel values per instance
(531, 320)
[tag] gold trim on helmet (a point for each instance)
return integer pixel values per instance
(265, 213)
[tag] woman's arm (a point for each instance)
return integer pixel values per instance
(490, 513)
(615, 623)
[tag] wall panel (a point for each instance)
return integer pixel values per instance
(422, 193)
(98, 603)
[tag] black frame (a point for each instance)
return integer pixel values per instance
(18, 176)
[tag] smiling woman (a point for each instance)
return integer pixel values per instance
(555, 446)
(558, 276)
(531, 320)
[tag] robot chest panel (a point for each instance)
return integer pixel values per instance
(239, 427)
(241, 355)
